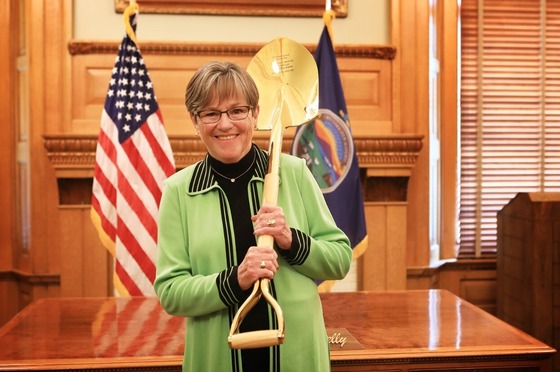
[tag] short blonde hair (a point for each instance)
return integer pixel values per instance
(219, 81)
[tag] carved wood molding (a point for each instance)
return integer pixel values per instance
(307, 8)
(223, 49)
(77, 152)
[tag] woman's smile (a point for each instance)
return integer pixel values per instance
(226, 138)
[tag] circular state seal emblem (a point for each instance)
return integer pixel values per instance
(327, 147)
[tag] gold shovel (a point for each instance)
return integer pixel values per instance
(288, 82)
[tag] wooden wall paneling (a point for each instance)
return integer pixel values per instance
(98, 260)
(72, 256)
(410, 36)
(374, 259)
(384, 260)
(169, 74)
(34, 66)
(89, 84)
(47, 24)
(473, 280)
(422, 278)
(8, 28)
(386, 185)
(85, 263)
(368, 90)
(8, 296)
(396, 245)
(367, 84)
(35, 286)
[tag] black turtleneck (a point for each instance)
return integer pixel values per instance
(237, 194)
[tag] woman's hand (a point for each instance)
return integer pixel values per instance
(270, 220)
(259, 262)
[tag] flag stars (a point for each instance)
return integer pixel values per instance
(131, 91)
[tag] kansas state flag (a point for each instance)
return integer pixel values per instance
(328, 148)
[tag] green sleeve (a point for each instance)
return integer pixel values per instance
(180, 291)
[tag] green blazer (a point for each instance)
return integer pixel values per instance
(196, 260)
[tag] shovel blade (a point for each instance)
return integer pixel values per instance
(287, 79)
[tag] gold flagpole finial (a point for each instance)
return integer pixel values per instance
(328, 16)
(132, 7)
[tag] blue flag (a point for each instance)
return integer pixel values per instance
(328, 147)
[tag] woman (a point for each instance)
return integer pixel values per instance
(210, 215)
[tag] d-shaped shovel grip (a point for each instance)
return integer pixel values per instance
(261, 338)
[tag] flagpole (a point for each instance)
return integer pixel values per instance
(328, 16)
(132, 7)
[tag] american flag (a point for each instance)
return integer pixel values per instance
(132, 160)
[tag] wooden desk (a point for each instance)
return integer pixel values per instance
(392, 331)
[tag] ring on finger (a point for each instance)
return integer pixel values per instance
(263, 264)
(271, 223)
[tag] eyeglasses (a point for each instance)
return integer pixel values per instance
(213, 116)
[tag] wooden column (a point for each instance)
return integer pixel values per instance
(388, 162)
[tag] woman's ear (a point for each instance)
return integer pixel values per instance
(255, 116)
(193, 120)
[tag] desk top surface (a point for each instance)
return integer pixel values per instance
(396, 324)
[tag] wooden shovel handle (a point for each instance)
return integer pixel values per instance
(255, 339)
(262, 338)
